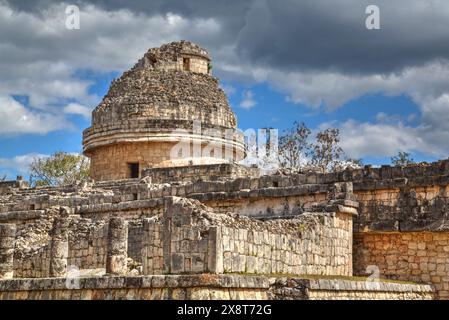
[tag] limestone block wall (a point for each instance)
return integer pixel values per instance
(402, 223)
(262, 197)
(87, 245)
(322, 247)
(196, 64)
(403, 231)
(135, 235)
(111, 162)
(91, 205)
(191, 239)
(13, 184)
(411, 198)
(7, 242)
(269, 207)
(152, 247)
(342, 289)
(212, 172)
(413, 256)
(403, 206)
(161, 287)
(207, 287)
(35, 265)
(174, 243)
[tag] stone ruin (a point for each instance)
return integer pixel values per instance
(149, 227)
(152, 107)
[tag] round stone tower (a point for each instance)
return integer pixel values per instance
(167, 111)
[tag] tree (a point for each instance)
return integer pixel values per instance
(402, 159)
(326, 153)
(294, 147)
(61, 168)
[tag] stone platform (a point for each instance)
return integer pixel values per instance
(207, 287)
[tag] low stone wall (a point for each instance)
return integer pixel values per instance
(205, 287)
(321, 244)
(211, 172)
(7, 241)
(86, 246)
(135, 240)
(111, 162)
(268, 207)
(179, 241)
(268, 196)
(190, 238)
(333, 289)
(191, 287)
(393, 200)
(13, 184)
(411, 256)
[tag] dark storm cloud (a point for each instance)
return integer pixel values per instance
(318, 53)
(332, 35)
(310, 35)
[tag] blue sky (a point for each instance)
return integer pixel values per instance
(384, 90)
(271, 109)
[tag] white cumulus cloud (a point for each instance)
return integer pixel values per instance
(248, 101)
(78, 109)
(16, 119)
(19, 164)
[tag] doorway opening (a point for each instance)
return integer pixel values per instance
(133, 170)
(186, 64)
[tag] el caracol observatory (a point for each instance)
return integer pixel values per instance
(167, 100)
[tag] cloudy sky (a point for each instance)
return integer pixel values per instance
(279, 61)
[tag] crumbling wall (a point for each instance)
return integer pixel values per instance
(211, 172)
(13, 184)
(86, 246)
(421, 257)
(207, 287)
(170, 57)
(318, 243)
(111, 162)
(393, 200)
(268, 207)
(135, 238)
(153, 106)
(402, 228)
(191, 238)
(87, 243)
(344, 289)
(152, 246)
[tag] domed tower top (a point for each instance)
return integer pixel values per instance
(181, 55)
(153, 106)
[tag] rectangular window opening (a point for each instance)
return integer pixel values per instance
(186, 64)
(133, 170)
